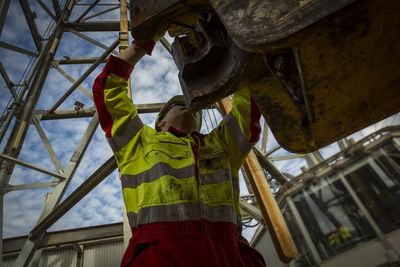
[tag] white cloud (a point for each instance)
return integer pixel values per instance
(22, 209)
(15, 30)
(154, 79)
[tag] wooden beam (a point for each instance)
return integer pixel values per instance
(282, 240)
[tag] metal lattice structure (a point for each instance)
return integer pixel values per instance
(21, 111)
(81, 20)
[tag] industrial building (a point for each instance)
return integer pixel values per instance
(344, 211)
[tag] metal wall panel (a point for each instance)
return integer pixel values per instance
(9, 261)
(65, 257)
(104, 254)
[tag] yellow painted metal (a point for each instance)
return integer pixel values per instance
(351, 68)
(350, 64)
(147, 18)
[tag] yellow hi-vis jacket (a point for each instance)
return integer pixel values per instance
(170, 178)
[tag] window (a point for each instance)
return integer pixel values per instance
(377, 184)
(332, 218)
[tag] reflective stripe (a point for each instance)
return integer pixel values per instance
(219, 176)
(236, 132)
(182, 212)
(125, 135)
(223, 213)
(168, 213)
(158, 170)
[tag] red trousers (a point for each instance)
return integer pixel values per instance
(189, 243)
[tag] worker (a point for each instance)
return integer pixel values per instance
(180, 187)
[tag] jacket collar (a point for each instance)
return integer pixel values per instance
(176, 132)
(179, 133)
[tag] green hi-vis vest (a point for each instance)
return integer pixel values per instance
(166, 178)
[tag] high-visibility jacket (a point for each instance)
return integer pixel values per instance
(172, 177)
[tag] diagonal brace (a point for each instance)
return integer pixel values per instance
(84, 76)
(87, 10)
(8, 81)
(98, 176)
(87, 38)
(31, 23)
(59, 190)
(69, 78)
(31, 166)
(45, 8)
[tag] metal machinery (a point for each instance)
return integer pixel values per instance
(315, 68)
(344, 211)
(284, 60)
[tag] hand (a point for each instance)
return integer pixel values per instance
(149, 46)
(160, 33)
(146, 46)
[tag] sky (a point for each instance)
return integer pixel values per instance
(154, 80)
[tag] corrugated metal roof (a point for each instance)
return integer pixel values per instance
(103, 254)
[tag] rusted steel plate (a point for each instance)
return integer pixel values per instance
(351, 68)
(319, 83)
(148, 16)
(253, 24)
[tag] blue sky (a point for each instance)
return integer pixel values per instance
(154, 79)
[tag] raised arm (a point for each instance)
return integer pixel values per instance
(117, 114)
(240, 129)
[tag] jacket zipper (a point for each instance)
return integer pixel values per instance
(196, 164)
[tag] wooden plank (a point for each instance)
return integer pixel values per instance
(281, 238)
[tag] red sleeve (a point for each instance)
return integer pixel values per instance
(115, 66)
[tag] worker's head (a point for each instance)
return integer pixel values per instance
(174, 113)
